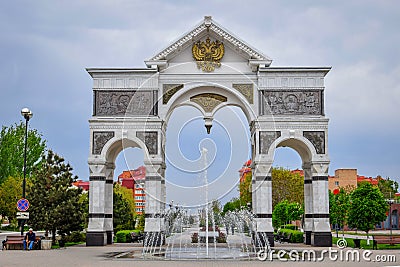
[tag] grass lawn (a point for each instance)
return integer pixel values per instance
(68, 244)
(363, 243)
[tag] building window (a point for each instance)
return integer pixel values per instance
(336, 183)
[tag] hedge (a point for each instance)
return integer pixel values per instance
(289, 226)
(124, 236)
(296, 237)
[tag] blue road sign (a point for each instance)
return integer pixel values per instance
(23, 204)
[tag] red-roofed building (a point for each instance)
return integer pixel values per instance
(81, 184)
(135, 179)
(373, 181)
(301, 172)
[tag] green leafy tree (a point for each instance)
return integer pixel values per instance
(285, 212)
(245, 189)
(232, 205)
(10, 192)
(287, 186)
(127, 194)
(295, 211)
(216, 206)
(12, 143)
(123, 218)
(140, 222)
(84, 204)
(367, 207)
(387, 187)
(280, 214)
(55, 205)
(339, 205)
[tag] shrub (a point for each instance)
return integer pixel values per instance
(195, 237)
(76, 236)
(290, 226)
(296, 237)
(124, 236)
(221, 238)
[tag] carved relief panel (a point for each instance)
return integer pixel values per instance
(208, 101)
(169, 90)
(317, 138)
(121, 103)
(292, 102)
(246, 90)
(99, 140)
(150, 139)
(266, 140)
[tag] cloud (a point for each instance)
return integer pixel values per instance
(46, 46)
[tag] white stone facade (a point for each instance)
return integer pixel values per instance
(284, 107)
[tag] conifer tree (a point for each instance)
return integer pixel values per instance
(55, 205)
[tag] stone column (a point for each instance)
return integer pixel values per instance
(155, 205)
(96, 232)
(321, 234)
(262, 207)
(109, 200)
(308, 204)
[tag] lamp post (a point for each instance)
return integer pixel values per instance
(27, 114)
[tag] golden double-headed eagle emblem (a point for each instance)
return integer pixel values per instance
(208, 54)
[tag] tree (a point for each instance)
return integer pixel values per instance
(295, 211)
(339, 204)
(127, 194)
(216, 206)
(367, 208)
(232, 205)
(280, 214)
(140, 222)
(123, 218)
(12, 140)
(287, 186)
(245, 188)
(387, 187)
(55, 205)
(84, 204)
(10, 192)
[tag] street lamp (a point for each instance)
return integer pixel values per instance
(27, 114)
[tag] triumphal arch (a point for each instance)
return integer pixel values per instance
(209, 68)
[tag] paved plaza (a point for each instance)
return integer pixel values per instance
(130, 254)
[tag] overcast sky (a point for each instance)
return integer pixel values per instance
(46, 46)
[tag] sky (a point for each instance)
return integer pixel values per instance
(46, 46)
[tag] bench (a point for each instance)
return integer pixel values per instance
(16, 242)
(385, 239)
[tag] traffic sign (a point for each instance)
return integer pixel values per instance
(23, 204)
(22, 215)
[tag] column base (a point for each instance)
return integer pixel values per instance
(96, 238)
(321, 239)
(307, 237)
(109, 237)
(153, 239)
(260, 239)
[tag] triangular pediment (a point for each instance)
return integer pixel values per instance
(209, 28)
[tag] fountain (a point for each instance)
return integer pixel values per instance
(189, 236)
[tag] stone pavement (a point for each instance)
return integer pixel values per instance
(109, 256)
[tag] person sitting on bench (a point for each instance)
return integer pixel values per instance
(29, 239)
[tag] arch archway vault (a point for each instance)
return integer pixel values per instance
(284, 107)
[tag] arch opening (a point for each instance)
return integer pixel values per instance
(228, 147)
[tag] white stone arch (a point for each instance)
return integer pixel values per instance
(234, 98)
(116, 145)
(288, 100)
(316, 200)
